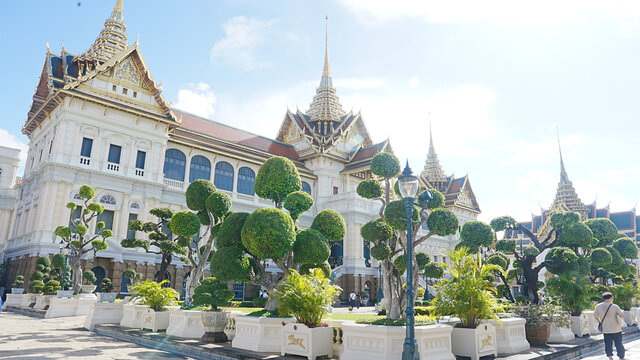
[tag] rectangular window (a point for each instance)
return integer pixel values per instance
(114, 154)
(50, 146)
(75, 214)
(335, 190)
(107, 217)
(142, 156)
(125, 91)
(135, 94)
(114, 88)
(87, 144)
(41, 150)
(131, 234)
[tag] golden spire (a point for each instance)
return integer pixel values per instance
(326, 81)
(111, 40)
(566, 196)
(432, 170)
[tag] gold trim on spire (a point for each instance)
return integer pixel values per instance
(566, 197)
(432, 170)
(111, 40)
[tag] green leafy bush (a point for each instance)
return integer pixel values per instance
(369, 189)
(297, 203)
(331, 224)
(185, 223)
(390, 322)
(218, 204)
(197, 194)
(277, 178)
(36, 287)
(306, 297)
(477, 233)
(604, 231)
(571, 292)
(231, 264)
(259, 301)
(230, 230)
(376, 230)
(626, 247)
(51, 287)
(310, 247)
(381, 251)
(442, 222)
(18, 282)
(433, 270)
(436, 200)
(600, 257)
(395, 215)
(106, 285)
(89, 277)
(385, 165)
(87, 192)
(212, 292)
(268, 233)
(132, 275)
(154, 295)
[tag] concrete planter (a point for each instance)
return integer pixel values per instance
(61, 308)
(107, 297)
(214, 323)
(155, 320)
(299, 339)
(132, 315)
(17, 291)
(630, 317)
(592, 323)
(64, 294)
(474, 343)
(259, 334)
(103, 313)
(376, 342)
(510, 335)
(230, 329)
(84, 304)
(88, 289)
(185, 324)
(42, 301)
(337, 337)
(27, 300)
(580, 325)
(12, 300)
(560, 335)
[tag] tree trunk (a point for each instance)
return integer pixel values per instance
(164, 265)
(77, 274)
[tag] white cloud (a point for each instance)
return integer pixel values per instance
(243, 35)
(197, 99)
(590, 190)
(357, 83)
(10, 141)
(414, 82)
(544, 150)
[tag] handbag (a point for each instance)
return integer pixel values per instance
(621, 322)
(605, 315)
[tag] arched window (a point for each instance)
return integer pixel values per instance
(224, 176)
(246, 179)
(123, 284)
(200, 168)
(306, 187)
(174, 164)
(100, 274)
(108, 200)
(135, 205)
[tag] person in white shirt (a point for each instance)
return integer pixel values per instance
(352, 299)
(608, 313)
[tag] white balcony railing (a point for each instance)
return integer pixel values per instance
(139, 172)
(113, 166)
(85, 160)
(174, 183)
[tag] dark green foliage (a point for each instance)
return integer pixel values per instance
(433, 270)
(18, 282)
(575, 234)
(400, 264)
(184, 223)
(197, 194)
(87, 192)
(422, 259)
(584, 268)
(442, 222)
(204, 218)
(36, 287)
(297, 203)
(476, 233)
(132, 275)
(503, 223)
(277, 178)
(106, 285)
(37, 275)
(385, 164)
(499, 259)
(44, 261)
(230, 264)
(616, 259)
(259, 301)
(600, 257)
(506, 246)
(395, 215)
(310, 247)
(268, 233)
(370, 188)
(96, 207)
(376, 230)
(561, 260)
(89, 277)
(604, 231)
(381, 251)
(436, 200)
(572, 292)
(162, 213)
(561, 219)
(531, 250)
(51, 287)
(58, 260)
(231, 230)
(626, 247)
(218, 204)
(331, 224)
(305, 269)
(212, 292)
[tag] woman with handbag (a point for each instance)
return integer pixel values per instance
(609, 315)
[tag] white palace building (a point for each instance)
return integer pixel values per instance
(100, 118)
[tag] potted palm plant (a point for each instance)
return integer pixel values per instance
(89, 278)
(572, 293)
(213, 293)
(307, 298)
(158, 298)
(469, 295)
(17, 286)
(134, 278)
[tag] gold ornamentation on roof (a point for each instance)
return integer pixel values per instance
(111, 40)
(566, 196)
(432, 170)
(127, 71)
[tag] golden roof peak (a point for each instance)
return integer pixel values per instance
(111, 40)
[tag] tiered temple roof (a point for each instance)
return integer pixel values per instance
(566, 197)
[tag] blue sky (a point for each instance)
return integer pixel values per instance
(495, 78)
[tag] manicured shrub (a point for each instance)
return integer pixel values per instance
(376, 230)
(442, 222)
(310, 247)
(370, 188)
(212, 292)
(184, 223)
(331, 224)
(197, 194)
(395, 215)
(268, 233)
(218, 204)
(231, 230)
(277, 178)
(385, 165)
(297, 203)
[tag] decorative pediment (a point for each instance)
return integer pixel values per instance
(127, 71)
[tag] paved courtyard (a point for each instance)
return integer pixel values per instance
(23, 337)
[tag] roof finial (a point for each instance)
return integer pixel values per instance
(430, 133)
(564, 178)
(326, 73)
(118, 11)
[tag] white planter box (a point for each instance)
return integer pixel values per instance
(132, 315)
(61, 308)
(42, 301)
(474, 343)
(258, 334)
(155, 320)
(64, 294)
(592, 323)
(558, 335)
(629, 317)
(84, 305)
(28, 299)
(511, 337)
(107, 297)
(298, 339)
(13, 300)
(103, 313)
(580, 325)
(377, 342)
(17, 291)
(185, 324)
(337, 337)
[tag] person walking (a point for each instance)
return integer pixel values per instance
(358, 301)
(607, 313)
(352, 300)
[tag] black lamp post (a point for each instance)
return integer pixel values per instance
(380, 293)
(408, 186)
(523, 287)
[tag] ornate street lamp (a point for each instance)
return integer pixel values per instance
(380, 293)
(522, 288)
(408, 186)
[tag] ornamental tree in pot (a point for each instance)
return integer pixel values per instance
(38, 278)
(89, 278)
(57, 270)
(572, 291)
(76, 236)
(307, 298)
(17, 287)
(158, 298)
(105, 294)
(539, 319)
(469, 295)
(212, 292)
(133, 276)
(387, 234)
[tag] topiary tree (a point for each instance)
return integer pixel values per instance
(40, 276)
(77, 237)
(58, 264)
(106, 285)
(247, 241)
(159, 241)
(89, 277)
(387, 235)
(212, 292)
